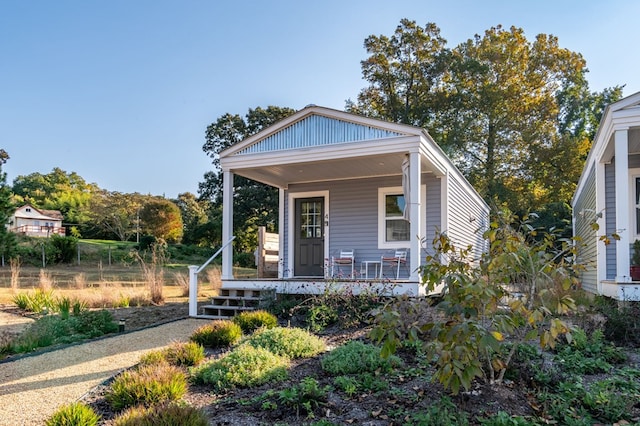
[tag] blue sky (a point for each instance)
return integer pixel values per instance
(121, 91)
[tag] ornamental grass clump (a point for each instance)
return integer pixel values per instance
(290, 342)
(76, 413)
(217, 334)
(249, 321)
(357, 357)
(180, 354)
(163, 414)
(147, 385)
(245, 366)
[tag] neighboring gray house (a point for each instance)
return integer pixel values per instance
(341, 186)
(608, 194)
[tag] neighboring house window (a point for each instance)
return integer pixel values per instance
(636, 203)
(393, 230)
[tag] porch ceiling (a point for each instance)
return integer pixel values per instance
(282, 175)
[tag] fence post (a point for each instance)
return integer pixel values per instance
(193, 291)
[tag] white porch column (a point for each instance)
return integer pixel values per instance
(227, 224)
(623, 224)
(416, 226)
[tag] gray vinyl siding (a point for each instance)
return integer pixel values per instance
(468, 218)
(610, 217)
(353, 215)
(584, 214)
(434, 213)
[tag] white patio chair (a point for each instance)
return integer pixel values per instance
(394, 260)
(346, 257)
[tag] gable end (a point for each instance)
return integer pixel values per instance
(317, 130)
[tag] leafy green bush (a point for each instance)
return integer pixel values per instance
(285, 341)
(217, 334)
(357, 357)
(307, 396)
(441, 413)
(623, 320)
(245, 366)
(147, 385)
(179, 354)
(250, 321)
(531, 271)
(365, 381)
(588, 354)
(162, 414)
(76, 413)
(63, 249)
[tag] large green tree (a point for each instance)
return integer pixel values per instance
(254, 203)
(116, 214)
(57, 190)
(162, 219)
(513, 114)
(194, 216)
(7, 238)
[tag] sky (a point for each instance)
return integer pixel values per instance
(122, 91)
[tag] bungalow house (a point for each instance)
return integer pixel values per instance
(28, 220)
(353, 192)
(608, 195)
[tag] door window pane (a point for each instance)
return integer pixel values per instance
(311, 219)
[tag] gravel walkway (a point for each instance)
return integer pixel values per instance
(33, 387)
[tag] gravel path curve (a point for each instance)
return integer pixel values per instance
(33, 387)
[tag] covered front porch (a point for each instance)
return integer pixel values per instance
(350, 182)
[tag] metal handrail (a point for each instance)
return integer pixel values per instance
(193, 280)
(215, 255)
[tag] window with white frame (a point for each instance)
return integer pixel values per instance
(635, 205)
(393, 229)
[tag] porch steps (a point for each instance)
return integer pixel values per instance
(232, 301)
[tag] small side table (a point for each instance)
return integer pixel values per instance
(364, 268)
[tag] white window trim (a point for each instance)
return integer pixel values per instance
(382, 192)
(633, 174)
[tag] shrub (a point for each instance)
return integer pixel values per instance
(163, 414)
(245, 366)
(357, 357)
(38, 301)
(147, 385)
(178, 353)
(217, 334)
(467, 341)
(76, 413)
(307, 395)
(284, 341)
(53, 330)
(250, 321)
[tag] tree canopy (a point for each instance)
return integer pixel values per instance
(513, 114)
(254, 202)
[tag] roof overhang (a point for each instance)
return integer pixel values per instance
(352, 159)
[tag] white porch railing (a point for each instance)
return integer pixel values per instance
(193, 280)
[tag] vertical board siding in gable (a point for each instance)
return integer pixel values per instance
(467, 218)
(316, 131)
(587, 248)
(610, 217)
